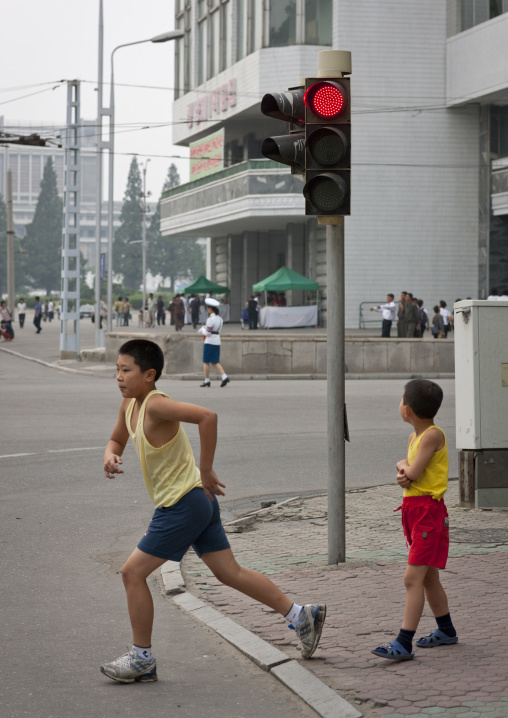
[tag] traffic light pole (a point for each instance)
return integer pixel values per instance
(336, 393)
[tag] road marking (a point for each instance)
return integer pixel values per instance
(10, 456)
(52, 451)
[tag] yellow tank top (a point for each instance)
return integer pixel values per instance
(434, 479)
(169, 471)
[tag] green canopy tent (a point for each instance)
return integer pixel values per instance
(202, 285)
(284, 280)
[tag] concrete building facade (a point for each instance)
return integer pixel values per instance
(429, 181)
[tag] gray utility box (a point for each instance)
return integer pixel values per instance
(481, 396)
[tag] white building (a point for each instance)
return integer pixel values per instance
(429, 209)
(27, 162)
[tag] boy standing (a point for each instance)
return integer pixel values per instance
(424, 478)
(187, 511)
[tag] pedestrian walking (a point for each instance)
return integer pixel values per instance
(161, 311)
(194, 309)
(437, 324)
(126, 311)
(187, 509)
(252, 307)
(21, 307)
(38, 315)
(211, 348)
(388, 311)
(401, 316)
(445, 313)
(424, 477)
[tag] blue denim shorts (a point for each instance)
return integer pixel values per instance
(192, 521)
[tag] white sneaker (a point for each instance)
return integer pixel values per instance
(309, 630)
(131, 667)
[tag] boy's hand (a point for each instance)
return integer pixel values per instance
(111, 465)
(211, 483)
(402, 479)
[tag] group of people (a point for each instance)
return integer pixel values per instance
(412, 318)
(187, 511)
(41, 312)
(250, 313)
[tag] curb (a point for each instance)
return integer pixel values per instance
(305, 684)
(302, 682)
(107, 372)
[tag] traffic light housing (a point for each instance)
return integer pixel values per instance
(327, 189)
(288, 149)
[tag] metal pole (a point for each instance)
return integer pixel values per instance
(336, 394)
(144, 236)
(98, 183)
(10, 247)
(110, 192)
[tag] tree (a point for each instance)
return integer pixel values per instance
(127, 250)
(43, 241)
(172, 257)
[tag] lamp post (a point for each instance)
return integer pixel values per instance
(144, 234)
(165, 37)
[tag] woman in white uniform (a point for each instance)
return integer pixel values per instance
(211, 348)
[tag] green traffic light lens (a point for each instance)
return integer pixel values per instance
(327, 146)
(327, 193)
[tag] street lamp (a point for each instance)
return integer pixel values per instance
(165, 37)
(144, 209)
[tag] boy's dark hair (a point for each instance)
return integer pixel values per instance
(147, 355)
(390, 295)
(423, 397)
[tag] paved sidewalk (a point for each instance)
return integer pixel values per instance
(365, 598)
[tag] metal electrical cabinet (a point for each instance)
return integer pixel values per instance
(481, 395)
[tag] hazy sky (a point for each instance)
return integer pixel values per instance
(45, 41)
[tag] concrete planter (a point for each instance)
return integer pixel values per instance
(297, 355)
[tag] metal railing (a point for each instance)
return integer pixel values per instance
(374, 317)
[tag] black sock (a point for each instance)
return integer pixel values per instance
(405, 638)
(444, 623)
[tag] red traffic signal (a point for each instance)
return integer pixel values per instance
(327, 100)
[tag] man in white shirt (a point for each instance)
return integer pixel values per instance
(388, 311)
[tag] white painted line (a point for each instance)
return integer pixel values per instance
(10, 456)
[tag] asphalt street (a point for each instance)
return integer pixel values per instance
(66, 531)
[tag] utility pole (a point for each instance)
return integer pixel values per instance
(144, 235)
(10, 247)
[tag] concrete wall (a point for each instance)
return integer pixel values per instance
(293, 355)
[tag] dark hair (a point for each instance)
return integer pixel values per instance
(423, 397)
(442, 303)
(215, 309)
(493, 291)
(390, 295)
(147, 355)
(436, 309)
(420, 303)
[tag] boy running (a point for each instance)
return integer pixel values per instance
(424, 478)
(187, 511)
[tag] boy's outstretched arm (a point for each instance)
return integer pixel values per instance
(116, 445)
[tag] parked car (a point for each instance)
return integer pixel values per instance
(86, 310)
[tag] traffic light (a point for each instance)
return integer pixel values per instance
(327, 189)
(289, 149)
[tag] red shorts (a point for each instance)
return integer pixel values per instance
(425, 524)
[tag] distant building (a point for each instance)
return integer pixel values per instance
(27, 166)
(429, 143)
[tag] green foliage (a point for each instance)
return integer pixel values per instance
(172, 257)
(127, 250)
(43, 241)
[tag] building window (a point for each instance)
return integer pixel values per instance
(242, 15)
(318, 22)
(499, 132)
(475, 12)
(226, 35)
(215, 40)
(282, 23)
(183, 48)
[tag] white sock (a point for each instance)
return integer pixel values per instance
(293, 615)
(207, 381)
(224, 376)
(144, 653)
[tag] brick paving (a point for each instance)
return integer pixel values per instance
(365, 598)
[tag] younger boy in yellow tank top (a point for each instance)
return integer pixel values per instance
(187, 511)
(424, 478)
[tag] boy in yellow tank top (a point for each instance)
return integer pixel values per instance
(424, 477)
(187, 511)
